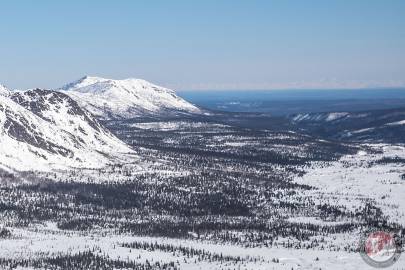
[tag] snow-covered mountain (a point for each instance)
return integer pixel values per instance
(44, 130)
(4, 91)
(120, 99)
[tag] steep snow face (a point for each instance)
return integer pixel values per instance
(57, 108)
(45, 130)
(4, 91)
(117, 99)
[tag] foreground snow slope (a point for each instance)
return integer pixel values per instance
(48, 239)
(109, 99)
(45, 130)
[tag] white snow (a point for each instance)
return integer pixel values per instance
(4, 90)
(398, 123)
(337, 115)
(85, 146)
(175, 125)
(301, 117)
(362, 130)
(355, 179)
(83, 82)
(314, 220)
(127, 98)
(328, 117)
(47, 239)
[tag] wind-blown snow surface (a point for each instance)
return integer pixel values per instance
(45, 130)
(117, 99)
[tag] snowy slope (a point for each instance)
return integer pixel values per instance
(116, 99)
(45, 130)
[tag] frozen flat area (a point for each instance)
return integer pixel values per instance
(351, 182)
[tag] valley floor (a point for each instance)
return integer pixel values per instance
(47, 241)
(216, 198)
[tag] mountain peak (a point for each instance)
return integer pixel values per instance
(90, 80)
(4, 91)
(83, 82)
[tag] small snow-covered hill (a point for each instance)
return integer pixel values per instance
(45, 130)
(123, 99)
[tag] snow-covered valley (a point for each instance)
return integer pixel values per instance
(189, 189)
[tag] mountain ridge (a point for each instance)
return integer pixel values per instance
(386, 125)
(45, 130)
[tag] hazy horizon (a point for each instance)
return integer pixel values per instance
(205, 45)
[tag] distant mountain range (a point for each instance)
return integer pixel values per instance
(367, 126)
(289, 101)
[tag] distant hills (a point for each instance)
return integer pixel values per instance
(366, 126)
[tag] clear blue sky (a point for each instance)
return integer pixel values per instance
(204, 44)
